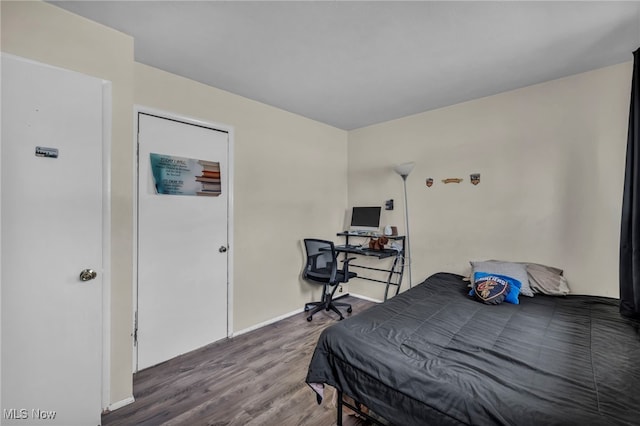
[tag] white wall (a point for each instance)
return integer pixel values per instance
(551, 158)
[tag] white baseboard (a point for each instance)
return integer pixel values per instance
(262, 324)
(359, 296)
(297, 311)
(120, 404)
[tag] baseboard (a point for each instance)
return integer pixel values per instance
(120, 404)
(341, 296)
(263, 324)
(297, 311)
(359, 296)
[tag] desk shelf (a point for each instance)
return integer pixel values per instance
(394, 274)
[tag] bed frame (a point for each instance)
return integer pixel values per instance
(357, 408)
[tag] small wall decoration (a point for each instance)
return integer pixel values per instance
(429, 182)
(475, 178)
(452, 180)
(185, 176)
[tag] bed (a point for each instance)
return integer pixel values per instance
(435, 356)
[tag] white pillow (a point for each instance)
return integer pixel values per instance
(547, 280)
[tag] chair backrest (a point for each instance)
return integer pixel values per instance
(321, 261)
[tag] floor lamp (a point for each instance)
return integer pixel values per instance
(403, 170)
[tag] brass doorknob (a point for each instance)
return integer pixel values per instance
(88, 274)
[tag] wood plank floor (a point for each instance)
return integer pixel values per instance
(257, 378)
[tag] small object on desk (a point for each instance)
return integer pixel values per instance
(390, 231)
(378, 243)
(396, 246)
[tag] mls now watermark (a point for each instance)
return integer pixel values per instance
(24, 414)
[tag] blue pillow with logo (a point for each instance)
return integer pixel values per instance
(493, 289)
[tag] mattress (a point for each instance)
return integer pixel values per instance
(434, 355)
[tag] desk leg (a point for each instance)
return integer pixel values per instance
(401, 275)
(346, 255)
(396, 269)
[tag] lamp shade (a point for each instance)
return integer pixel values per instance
(404, 169)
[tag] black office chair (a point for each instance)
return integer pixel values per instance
(322, 267)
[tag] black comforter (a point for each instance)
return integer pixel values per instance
(434, 356)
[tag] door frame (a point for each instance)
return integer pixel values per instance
(107, 120)
(140, 109)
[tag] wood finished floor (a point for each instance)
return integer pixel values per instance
(257, 378)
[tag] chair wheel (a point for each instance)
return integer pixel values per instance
(309, 319)
(349, 309)
(306, 309)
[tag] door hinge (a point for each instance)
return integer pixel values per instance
(135, 329)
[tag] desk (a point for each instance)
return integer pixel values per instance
(394, 274)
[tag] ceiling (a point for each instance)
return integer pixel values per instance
(353, 64)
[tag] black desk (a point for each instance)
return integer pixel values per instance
(394, 274)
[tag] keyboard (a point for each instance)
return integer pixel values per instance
(363, 233)
(350, 246)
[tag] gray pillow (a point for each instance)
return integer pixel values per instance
(510, 269)
(547, 280)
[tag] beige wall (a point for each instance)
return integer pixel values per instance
(290, 183)
(290, 172)
(51, 35)
(551, 158)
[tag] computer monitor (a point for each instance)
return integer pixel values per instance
(365, 219)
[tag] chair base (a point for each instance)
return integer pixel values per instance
(329, 305)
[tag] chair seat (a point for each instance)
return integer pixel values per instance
(341, 278)
(324, 278)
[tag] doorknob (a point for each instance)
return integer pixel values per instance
(222, 249)
(88, 274)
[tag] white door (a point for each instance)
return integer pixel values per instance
(182, 244)
(52, 229)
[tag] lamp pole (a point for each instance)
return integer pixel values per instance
(406, 225)
(403, 170)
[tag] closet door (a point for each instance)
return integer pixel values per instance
(182, 238)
